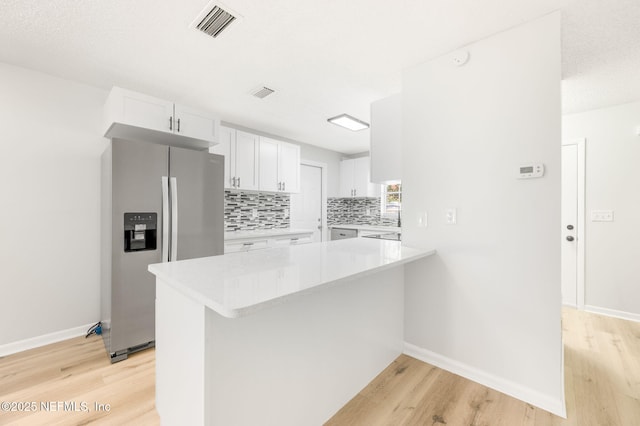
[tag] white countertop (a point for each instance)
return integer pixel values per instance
(380, 228)
(264, 233)
(238, 284)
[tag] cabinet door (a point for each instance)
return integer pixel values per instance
(141, 110)
(386, 138)
(226, 139)
(246, 160)
(346, 178)
(192, 123)
(269, 165)
(289, 167)
(362, 179)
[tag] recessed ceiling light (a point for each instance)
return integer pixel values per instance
(348, 122)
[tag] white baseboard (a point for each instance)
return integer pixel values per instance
(45, 339)
(613, 313)
(552, 405)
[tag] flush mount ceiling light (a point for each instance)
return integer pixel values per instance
(348, 122)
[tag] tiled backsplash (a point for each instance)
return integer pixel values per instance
(357, 211)
(244, 211)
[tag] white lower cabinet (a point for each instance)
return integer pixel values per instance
(236, 246)
(288, 241)
(246, 244)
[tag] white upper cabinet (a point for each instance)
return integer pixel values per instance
(279, 166)
(355, 179)
(269, 179)
(289, 167)
(227, 143)
(246, 159)
(136, 116)
(386, 139)
(240, 150)
(196, 124)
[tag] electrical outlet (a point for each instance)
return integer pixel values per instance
(451, 216)
(601, 215)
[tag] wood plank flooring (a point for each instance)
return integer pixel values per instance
(602, 386)
(78, 370)
(602, 379)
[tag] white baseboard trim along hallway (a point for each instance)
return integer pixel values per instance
(613, 313)
(510, 388)
(45, 339)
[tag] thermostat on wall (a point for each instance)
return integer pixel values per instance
(531, 171)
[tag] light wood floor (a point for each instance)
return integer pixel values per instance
(79, 370)
(602, 379)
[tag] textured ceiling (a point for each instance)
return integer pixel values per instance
(323, 57)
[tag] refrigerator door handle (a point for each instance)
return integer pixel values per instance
(174, 219)
(165, 219)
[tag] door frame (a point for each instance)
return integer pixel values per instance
(323, 192)
(580, 235)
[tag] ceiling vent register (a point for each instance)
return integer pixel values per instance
(216, 20)
(263, 92)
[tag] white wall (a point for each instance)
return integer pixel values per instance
(49, 220)
(612, 183)
(488, 305)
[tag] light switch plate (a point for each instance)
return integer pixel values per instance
(601, 215)
(451, 216)
(422, 220)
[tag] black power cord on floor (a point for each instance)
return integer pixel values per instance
(94, 329)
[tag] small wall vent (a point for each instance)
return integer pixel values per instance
(262, 92)
(213, 20)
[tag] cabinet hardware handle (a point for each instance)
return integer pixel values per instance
(570, 238)
(295, 239)
(233, 181)
(238, 182)
(284, 186)
(247, 244)
(178, 129)
(355, 192)
(171, 123)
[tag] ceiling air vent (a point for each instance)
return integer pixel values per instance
(262, 92)
(214, 21)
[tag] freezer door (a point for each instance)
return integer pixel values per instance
(137, 170)
(197, 199)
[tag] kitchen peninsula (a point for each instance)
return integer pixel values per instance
(281, 336)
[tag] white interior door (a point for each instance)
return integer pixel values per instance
(569, 231)
(306, 206)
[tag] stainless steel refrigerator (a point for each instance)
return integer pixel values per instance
(159, 204)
